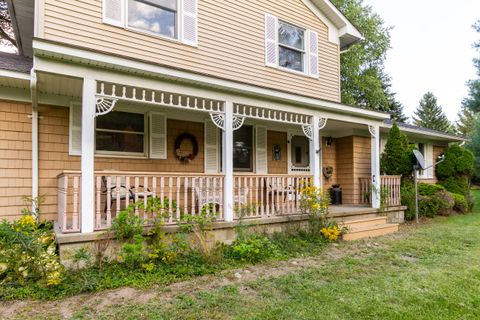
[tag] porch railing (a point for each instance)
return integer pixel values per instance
(389, 190)
(254, 195)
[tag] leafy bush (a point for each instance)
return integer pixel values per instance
(332, 232)
(397, 157)
(407, 193)
(441, 203)
(456, 184)
(428, 189)
(132, 253)
(252, 249)
(28, 253)
(461, 203)
(127, 224)
(314, 202)
(458, 162)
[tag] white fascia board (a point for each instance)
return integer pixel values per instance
(138, 67)
(428, 135)
(14, 75)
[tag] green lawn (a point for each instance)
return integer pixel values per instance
(433, 273)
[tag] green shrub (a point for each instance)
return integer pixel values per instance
(458, 162)
(427, 189)
(127, 224)
(407, 192)
(132, 253)
(252, 248)
(461, 203)
(441, 203)
(28, 253)
(456, 184)
(397, 157)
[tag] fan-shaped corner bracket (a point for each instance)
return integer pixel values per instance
(104, 106)
(322, 123)
(308, 131)
(373, 131)
(219, 120)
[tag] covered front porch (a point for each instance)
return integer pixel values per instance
(255, 157)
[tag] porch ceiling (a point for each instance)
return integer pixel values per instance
(339, 129)
(59, 85)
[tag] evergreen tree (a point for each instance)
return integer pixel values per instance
(465, 125)
(430, 115)
(472, 102)
(396, 109)
(397, 157)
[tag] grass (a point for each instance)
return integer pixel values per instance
(434, 273)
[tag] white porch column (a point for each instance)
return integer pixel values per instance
(227, 161)
(87, 161)
(315, 149)
(376, 183)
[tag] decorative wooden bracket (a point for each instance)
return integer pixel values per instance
(219, 120)
(104, 105)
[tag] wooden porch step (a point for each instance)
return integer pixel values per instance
(364, 222)
(370, 231)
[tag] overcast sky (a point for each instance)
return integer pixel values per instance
(431, 49)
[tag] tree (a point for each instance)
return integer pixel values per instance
(395, 108)
(363, 78)
(7, 37)
(465, 125)
(472, 102)
(430, 115)
(397, 157)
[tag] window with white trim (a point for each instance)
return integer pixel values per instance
(121, 132)
(156, 16)
(172, 19)
(291, 47)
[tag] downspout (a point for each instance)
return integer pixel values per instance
(34, 116)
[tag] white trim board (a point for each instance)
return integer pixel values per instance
(103, 60)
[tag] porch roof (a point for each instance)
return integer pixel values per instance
(422, 132)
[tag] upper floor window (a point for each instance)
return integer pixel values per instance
(157, 16)
(291, 46)
(174, 19)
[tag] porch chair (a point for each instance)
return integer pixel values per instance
(123, 192)
(276, 186)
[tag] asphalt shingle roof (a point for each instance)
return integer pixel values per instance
(13, 62)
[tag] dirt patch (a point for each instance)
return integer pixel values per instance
(66, 308)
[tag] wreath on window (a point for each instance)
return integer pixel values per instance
(186, 156)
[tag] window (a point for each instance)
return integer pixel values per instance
(243, 149)
(120, 132)
(291, 47)
(300, 152)
(156, 16)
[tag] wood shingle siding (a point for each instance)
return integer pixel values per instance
(15, 157)
(231, 42)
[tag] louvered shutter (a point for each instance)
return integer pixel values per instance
(383, 144)
(271, 40)
(212, 157)
(190, 22)
(312, 53)
(75, 135)
(261, 149)
(114, 12)
(158, 135)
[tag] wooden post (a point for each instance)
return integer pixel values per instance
(227, 157)
(376, 179)
(88, 152)
(315, 149)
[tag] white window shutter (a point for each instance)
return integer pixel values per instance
(190, 22)
(114, 12)
(261, 150)
(383, 144)
(212, 157)
(312, 53)
(271, 40)
(75, 135)
(158, 135)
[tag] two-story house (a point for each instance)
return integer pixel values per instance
(223, 105)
